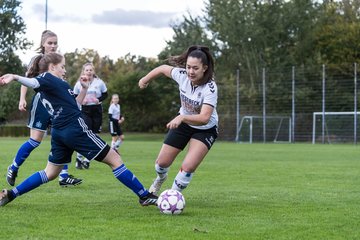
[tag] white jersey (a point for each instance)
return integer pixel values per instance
(192, 98)
(96, 88)
(114, 110)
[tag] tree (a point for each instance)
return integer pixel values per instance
(12, 28)
(338, 34)
(145, 110)
(191, 31)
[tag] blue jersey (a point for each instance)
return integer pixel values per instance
(59, 99)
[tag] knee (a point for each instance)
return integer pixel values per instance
(188, 168)
(51, 175)
(112, 159)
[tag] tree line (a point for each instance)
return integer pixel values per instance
(248, 35)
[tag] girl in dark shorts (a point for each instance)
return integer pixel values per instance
(115, 121)
(196, 124)
(69, 132)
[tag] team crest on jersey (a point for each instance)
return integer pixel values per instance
(211, 86)
(38, 124)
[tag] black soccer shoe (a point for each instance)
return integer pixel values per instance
(5, 197)
(78, 164)
(11, 176)
(70, 181)
(149, 199)
(85, 164)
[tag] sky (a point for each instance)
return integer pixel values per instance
(113, 28)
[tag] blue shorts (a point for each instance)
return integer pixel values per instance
(76, 137)
(179, 137)
(39, 118)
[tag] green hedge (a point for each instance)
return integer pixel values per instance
(14, 131)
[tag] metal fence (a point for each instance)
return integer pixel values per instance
(317, 105)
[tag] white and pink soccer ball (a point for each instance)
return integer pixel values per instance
(171, 202)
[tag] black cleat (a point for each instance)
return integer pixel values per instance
(11, 176)
(78, 164)
(149, 199)
(5, 197)
(70, 181)
(85, 164)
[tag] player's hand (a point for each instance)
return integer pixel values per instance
(121, 120)
(175, 123)
(84, 81)
(143, 84)
(95, 100)
(5, 79)
(22, 105)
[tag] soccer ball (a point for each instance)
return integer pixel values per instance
(171, 202)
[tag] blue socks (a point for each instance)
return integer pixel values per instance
(126, 177)
(64, 172)
(23, 152)
(30, 183)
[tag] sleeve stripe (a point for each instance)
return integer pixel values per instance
(209, 104)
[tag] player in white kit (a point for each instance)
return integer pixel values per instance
(197, 121)
(115, 120)
(91, 107)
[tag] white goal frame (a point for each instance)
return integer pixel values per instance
(252, 117)
(324, 114)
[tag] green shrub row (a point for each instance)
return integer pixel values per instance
(14, 131)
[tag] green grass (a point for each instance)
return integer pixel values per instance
(241, 191)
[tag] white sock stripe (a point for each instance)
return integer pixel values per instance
(141, 192)
(43, 176)
(15, 191)
(119, 171)
(33, 142)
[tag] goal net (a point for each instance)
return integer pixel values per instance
(338, 127)
(276, 129)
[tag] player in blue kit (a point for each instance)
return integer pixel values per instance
(39, 120)
(197, 121)
(69, 132)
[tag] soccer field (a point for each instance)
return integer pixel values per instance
(241, 191)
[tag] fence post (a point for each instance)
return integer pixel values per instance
(323, 105)
(293, 106)
(237, 138)
(264, 105)
(355, 103)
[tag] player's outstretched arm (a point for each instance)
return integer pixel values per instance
(7, 78)
(161, 70)
(29, 82)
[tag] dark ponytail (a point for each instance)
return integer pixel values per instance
(34, 69)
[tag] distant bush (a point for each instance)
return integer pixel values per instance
(14, 131)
